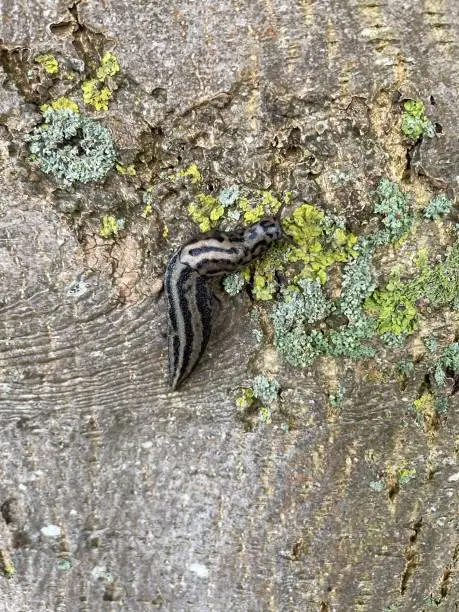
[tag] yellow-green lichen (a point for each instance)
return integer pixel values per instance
(48, 62)
(256, 209)
(405, 475)
(264, 414)
(147, 210)
(109, 66)
(192, 172)
(245, 399)
(321, 242)
(206, 211)
(415, 124)
(6, 565)
(94, 95)
(110, 226)
(60, 104)
(125, 170)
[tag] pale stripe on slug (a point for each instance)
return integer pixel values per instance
(189, 292)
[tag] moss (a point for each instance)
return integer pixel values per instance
(60, 104)
(265, 389)
(206, 211)
(108, 66)
(48, 62)
(321, 242)
(415, 124)
(110, 226)
(437, 207)
(126, 170)
(95, 95)
(192, 172)
(72, 147)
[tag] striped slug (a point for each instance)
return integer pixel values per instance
(189, 293)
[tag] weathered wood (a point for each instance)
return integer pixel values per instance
(164, 499)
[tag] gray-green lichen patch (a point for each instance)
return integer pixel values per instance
(72, 147)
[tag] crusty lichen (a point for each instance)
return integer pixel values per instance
(61, 103)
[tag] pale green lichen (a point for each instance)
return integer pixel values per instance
(61, 104)
(415, 124)
(48, 62)
(437, 207)
(265, 389)
(233, 283)
(447, 362)
(227, 197)
(72, 147)
(110, 226)
(393, 204)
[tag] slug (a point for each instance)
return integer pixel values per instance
(189, 292)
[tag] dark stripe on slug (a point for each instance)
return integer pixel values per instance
(211, 249)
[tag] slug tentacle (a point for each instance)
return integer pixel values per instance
(189, 292)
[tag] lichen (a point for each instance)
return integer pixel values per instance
(415, 124)
(227, 197)
(393, 204)
(265, 416)
(72, 147)
(405, 475)
(265, 389)
(437, 207)
(320, 241)
(192, 172)
(233, 283)
(109, 66)
(110, 226)
(61, 104)
(245, 399)
(206, 211)
(448, 362)
(96, 95)
(126, 170)
(48, 62)
(395, 305)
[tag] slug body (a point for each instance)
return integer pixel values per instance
(189, 292)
